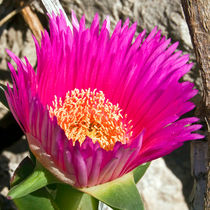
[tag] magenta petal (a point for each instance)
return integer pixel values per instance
(96, 167)
(80, 167)
(107, 171)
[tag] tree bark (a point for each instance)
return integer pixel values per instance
(197, 13)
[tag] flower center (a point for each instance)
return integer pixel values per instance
(88, 113)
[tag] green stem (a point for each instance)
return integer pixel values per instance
(69, 198)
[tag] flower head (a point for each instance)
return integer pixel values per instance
(100, 105)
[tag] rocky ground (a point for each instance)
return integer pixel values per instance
(168, 183)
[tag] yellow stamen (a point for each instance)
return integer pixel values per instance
(88, 113)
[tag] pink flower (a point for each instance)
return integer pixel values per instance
(100, 105)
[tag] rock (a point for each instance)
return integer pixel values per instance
(161, 189)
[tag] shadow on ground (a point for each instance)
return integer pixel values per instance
(17, 148)
(179, 163)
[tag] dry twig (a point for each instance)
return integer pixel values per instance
(32, 20)
(12, 14)
(29, 16)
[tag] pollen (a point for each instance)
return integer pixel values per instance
(88, 113)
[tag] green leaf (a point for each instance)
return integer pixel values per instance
(32, 157)
(69, 198)
(118, 194)
(24, 169)
(37, 200)
(38, 179)
(3, 98)
(40, 199)
(139, 171)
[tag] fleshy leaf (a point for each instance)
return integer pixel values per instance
(3, 99)
(120, 193)
(37, 200)
(24, 169)
(40, 199)
(38, 179)
(139, 171)
(69, 198)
